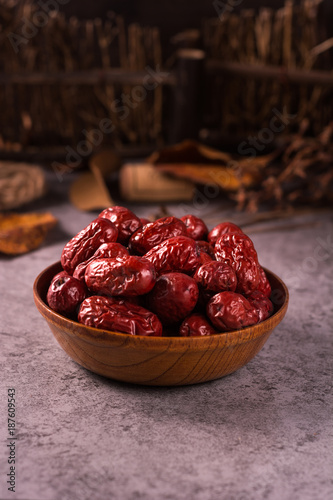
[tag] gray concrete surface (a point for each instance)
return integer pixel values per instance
(264, 432)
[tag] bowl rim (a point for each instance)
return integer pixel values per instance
(106, 338)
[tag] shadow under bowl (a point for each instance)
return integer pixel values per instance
(160, 361)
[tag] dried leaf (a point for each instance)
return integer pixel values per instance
(189, 152)
(21, 233)
(204, 165)
(225, 177)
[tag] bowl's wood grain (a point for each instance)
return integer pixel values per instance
(159, 360)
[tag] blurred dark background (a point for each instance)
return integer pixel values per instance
(174, 16)
(133, 35)
(66, 68)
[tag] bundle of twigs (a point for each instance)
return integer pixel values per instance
(303, 175)
(288, 38)
(53, 114)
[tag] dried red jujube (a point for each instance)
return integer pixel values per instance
(196, 325)
(65, 293)
(196, 228)
(107, 313)
(264, 285)
(85, 243)
(111, 250)
(237, 250)
(215, 276)
(231, 311)
(205, 258)
(173, 297)
(125, 221)
(129, 277)
(220, 229)
(178, 254)
(154, 233)
(206, 247)
(175, 272)
(262, 303)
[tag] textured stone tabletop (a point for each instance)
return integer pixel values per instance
(264, 432)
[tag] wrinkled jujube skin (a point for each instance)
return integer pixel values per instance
(82, 246)
(196, 228)
(173, 297)
(210, 282)
(128, 277)
(206, 247)
(125, 221)
(111, 250)
(220, 229)
(237, 250)
(204, 258)
(178, 254)
(122, 316)
(231, 311)
(65, 293)
(264, 285)
(215, 276)
(154, 233)
(205, 255)
(262, 303)
(196, 325)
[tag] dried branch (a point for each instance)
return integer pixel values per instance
(302, 176)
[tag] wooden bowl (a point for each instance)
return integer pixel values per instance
(158, 360)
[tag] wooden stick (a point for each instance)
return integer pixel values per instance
(93, 77)
(314, 77)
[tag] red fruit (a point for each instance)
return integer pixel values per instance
(237, 250)
(262, 304)
(220, 229)
(154, 233)
(196, 228)
(231, 311)
(173, 297)
(206, 247)
(82, 246)
(216, 277)
(111, 250)
(121, 316)
(178, 254)
(205, 258)
(196, 325)
(264, 285)
(125, 221)
(128, 277)
(65, 293)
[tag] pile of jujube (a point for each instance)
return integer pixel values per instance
(168, 277)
